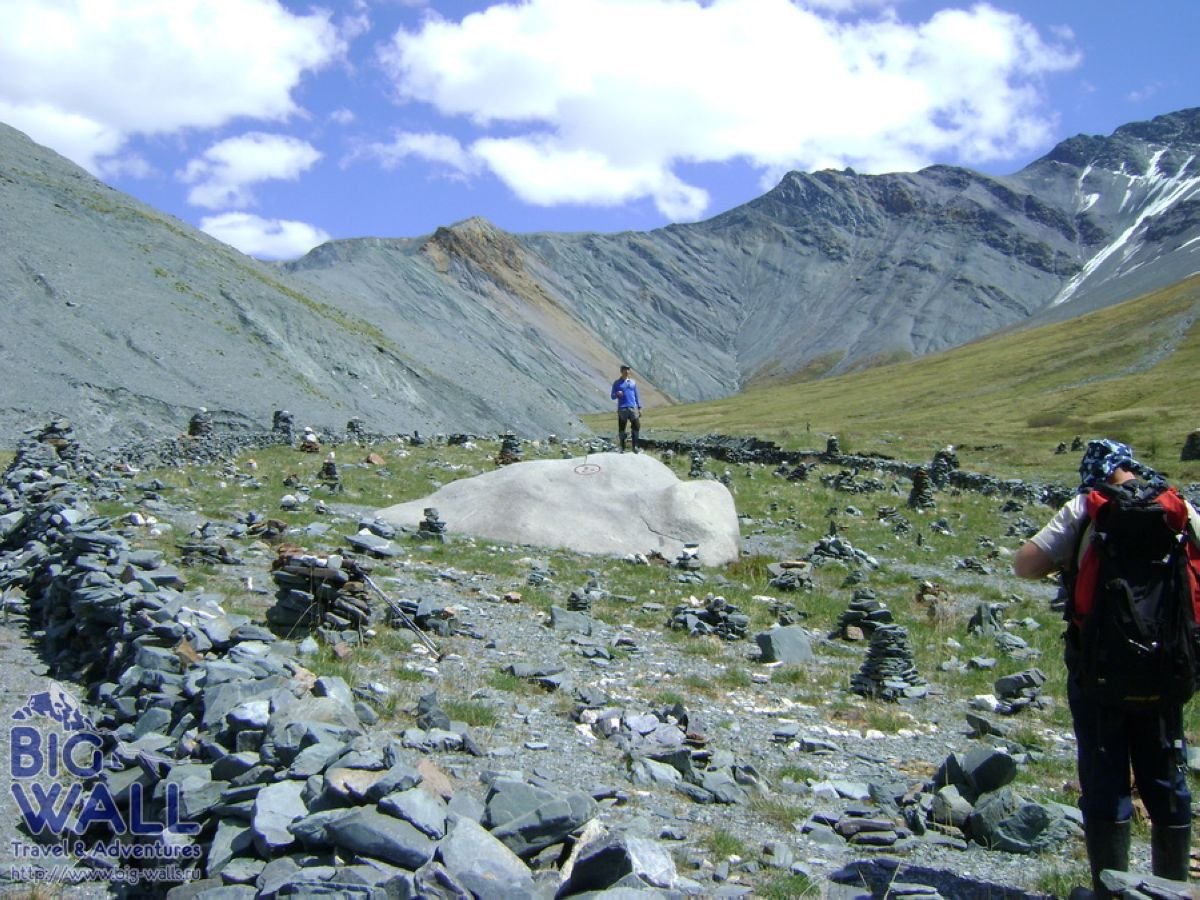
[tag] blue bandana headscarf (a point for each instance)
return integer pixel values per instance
(1104, 457)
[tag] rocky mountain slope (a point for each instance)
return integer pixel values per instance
(125, 319)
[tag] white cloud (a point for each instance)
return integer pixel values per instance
(599, 101)
(567, 175)
(82, 76)
(437, 148)
(264, 238)
(227, 170)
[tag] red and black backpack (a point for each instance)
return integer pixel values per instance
(1135, 599)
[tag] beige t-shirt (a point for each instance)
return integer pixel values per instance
(1060, 536)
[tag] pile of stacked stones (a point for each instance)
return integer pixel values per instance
(969, 799)
(791, 575)
(718, 616)
(864, 614)
(1020, 690)
(201, 424)
(697, 466)
(1191, 447)
(921, 495)
(328, 473)
(847, 481)
(945, 461)
(892, 516)
(326, 594)
(581, 600)
(283, 424)
(224, 728)
(431, 527)
(689, 558)
(667, 750)
(889, 671)
(510, 450)
(834, 547)
(937, 600)
(970, 795)
(795, 473)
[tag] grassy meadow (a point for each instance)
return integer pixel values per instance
(1127, 372)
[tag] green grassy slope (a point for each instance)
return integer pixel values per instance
(1130, 372)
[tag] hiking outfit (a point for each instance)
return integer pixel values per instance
(629, 409)
(1110, 739)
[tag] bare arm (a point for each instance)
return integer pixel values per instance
(1031, 561)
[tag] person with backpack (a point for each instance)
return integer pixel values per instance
(1128, 548)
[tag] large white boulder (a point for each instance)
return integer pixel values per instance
(606, 503)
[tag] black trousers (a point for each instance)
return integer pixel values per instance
(631, 417)
(1109, 742)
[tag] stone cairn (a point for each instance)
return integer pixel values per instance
(921, 495)
(326, 594)
(889, 673)
(328, 474)
(432, 528)
(666, 750)
(799, 472)
(864, 614)
(697, 465)
(791, 576)
(201, 424)
(937, 600)
(833, 447)
(689, 558)
(1191, 447)
(581, 600)
(356, 430)
(893, 516)
(848, 481)
(944, 462)
(510, 450)
(835, 547)
(718, 616)
(283, 423)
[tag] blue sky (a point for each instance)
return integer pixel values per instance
(276, 125)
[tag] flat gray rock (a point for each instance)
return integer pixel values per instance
(276, 807)
(374, 834)
(471, 854)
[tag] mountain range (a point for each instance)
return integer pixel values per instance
(125, 319)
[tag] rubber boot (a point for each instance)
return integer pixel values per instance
(1170, 851)
(1107, 848)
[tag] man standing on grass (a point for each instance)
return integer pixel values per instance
(629, 407)
(1110, 739)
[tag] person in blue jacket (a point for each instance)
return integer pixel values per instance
(629, 407)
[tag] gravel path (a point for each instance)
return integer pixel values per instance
(22, 672)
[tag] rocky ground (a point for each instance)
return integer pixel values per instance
(618, 670)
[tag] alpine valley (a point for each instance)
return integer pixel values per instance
(125, 320)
